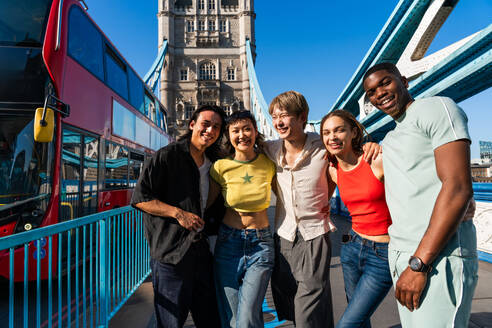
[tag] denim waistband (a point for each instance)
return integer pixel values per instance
(354, 237)
(245, 232)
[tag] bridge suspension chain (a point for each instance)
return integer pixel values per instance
(259, 106)
(153, 75)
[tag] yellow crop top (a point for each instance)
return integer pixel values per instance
(246, 186)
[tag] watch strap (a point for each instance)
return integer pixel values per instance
(425, 268)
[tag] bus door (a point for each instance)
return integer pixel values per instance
(79, 174)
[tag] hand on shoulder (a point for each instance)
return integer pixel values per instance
(377, 167)
(371, 151)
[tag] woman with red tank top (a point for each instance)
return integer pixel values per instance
(364, 253)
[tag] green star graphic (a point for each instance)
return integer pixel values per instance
(247, 178)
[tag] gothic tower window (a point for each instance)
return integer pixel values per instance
(223, 26)
(189, 111)
(180, 111)
(231, 74)
(201, 25)
(207, 71)
(201, 4)
(190, 26)
(211, 25)
(183, 74)
(211, 4)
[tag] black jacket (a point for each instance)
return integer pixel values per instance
(172, 177)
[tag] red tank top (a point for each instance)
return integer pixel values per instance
(363, 194)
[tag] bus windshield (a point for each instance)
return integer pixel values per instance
(25, 167)
(22, 22)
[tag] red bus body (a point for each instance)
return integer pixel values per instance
(91, 103)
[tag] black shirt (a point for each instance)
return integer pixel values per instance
(172, 177)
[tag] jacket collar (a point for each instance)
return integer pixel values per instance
(184, 144)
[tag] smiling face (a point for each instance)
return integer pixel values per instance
(388, 92)
(242, 135)
(206, 129)
(337, 135)
(288, 126)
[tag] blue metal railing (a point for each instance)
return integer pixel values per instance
(482, 193)
(105, 252)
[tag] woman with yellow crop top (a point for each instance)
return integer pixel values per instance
(244, 253)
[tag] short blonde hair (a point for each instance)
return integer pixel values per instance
(292, 101)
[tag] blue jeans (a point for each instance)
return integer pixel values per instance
(367, 279)
(243, 265)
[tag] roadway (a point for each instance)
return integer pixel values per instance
(138, 311)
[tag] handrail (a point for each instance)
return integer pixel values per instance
(106, 252)
(29, 236)
(482, 191)
(58, 27)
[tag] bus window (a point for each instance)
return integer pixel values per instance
(136, 91)
(89, 188)
(153, 113)
(164, 119)
(123, 121)
(158, 118)
(149, 102)
(79, 175)
(85, 43)
(25, 172)
(23, 22)
(136, 165)
(116, 73)
(71, 158)
(116, 175)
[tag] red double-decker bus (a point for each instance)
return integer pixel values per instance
(53, 54)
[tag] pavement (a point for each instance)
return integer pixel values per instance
(138, 310)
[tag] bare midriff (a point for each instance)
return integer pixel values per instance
(246, 220)
(377, 239)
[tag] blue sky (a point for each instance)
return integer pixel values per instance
(313, 47)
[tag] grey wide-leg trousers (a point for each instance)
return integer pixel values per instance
(301, 281)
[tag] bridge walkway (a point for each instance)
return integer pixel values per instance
(138, 310)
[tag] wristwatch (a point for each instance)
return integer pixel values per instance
(416, 264)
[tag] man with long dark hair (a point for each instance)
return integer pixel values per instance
(172, 192)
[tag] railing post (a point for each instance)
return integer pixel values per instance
(103, 272)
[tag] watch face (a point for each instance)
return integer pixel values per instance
(415, 264)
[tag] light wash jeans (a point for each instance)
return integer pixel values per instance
(367, 279)
(243, 265)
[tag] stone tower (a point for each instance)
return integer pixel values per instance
(206, 56)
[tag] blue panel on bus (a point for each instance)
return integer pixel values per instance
(127, 125)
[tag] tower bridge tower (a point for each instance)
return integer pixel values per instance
(206, 57)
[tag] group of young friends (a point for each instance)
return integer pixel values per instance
(411, 203)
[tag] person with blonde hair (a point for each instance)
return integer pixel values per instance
(301, 275)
